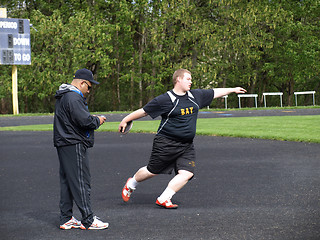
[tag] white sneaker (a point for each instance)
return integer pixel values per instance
(97, 224)
(72, 223)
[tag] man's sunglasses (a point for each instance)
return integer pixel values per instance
(89, 87)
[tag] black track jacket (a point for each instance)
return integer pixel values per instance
(73, 122)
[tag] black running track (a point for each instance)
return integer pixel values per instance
(243, 189)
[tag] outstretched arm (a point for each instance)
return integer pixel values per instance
(132, 116)
(220, 92)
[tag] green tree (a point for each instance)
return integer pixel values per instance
(295, 57)
(134, 46)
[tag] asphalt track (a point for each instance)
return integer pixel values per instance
(243, 189)
(111, 117)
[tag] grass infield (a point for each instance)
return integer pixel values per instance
(285, 128)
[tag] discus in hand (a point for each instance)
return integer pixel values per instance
(127, 128)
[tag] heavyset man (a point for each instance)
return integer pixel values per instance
(173, 147)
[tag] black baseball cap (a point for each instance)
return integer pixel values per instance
(85, 74)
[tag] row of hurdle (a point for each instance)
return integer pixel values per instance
(280, 94)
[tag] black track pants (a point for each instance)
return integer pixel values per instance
(75, 183)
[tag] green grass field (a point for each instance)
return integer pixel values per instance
(285, 128)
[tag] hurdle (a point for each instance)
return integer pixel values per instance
(274, 94)
(225, 102)
(301, 93)
(248, 95)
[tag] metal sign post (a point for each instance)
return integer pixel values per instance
(15, 49)
(15, 102)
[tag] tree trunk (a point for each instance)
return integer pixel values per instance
(290, 89)
(132, 105)
(118, 72)
(141, 50)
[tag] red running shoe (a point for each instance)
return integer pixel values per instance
(167, 204)
(126, 192)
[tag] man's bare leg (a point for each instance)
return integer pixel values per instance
(176, 183)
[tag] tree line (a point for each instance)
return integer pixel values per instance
(134, 46)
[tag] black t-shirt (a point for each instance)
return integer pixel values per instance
(179, 113)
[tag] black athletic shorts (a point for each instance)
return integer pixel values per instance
(168, 155)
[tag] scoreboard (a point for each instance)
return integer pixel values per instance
(15, 46)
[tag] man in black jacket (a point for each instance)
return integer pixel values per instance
(73, 134)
